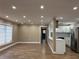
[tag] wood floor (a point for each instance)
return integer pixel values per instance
(34, 51)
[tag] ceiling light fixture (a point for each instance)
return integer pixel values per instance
(75, 8)
(24, 16)
(13, 7)
(42, 16)
(6, 16)
(42, 7)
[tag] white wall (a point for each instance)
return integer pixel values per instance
(15, 33)
(51, 38)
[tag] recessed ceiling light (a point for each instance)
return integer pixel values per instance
(24, 16)
(42, 7)
(75, 8)
(42, 16)
(6, 16)
(13, 7)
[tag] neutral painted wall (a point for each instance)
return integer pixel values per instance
(29, 33)
(15, 33)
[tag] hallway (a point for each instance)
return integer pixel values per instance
(34, 51)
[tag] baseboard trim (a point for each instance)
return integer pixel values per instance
(51, 49)
(29, 42)
(4, 48)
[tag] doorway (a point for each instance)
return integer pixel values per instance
(43, 35)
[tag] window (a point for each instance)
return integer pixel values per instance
(2, 35)
(5, 34)
(65, 29)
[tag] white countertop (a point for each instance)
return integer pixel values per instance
(59, 39)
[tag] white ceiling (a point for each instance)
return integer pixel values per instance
(31, 9)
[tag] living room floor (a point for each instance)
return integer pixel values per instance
(34, 51)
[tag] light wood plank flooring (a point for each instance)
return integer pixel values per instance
(34, 51)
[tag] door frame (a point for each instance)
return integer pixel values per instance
(40, 32)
